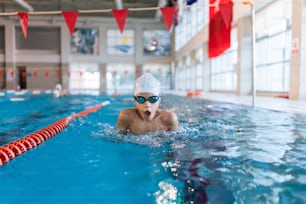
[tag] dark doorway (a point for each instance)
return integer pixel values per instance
(22, 79)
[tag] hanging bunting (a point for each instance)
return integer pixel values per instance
(58, 74)
(46, 74)
(24, 19)
(35, 74)
(103, 73)
(24, 74)
(137, 71)
(168, 15)
(71, 19)
(120, 16)
(219, 38)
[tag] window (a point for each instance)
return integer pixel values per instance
(273, 39)
(224, 68)
(120, 77)
(84, 78)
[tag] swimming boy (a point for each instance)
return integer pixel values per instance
(146, 116)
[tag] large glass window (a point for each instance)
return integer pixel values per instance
(224, 68)
(84, 78)
(120, 78)
(191, 20)
(160, 72)
(273, 39)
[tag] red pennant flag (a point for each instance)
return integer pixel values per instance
(120, 16)
(219, 27)
(226, 10)
(58, 74)
(70, 18)
(35, 74)
(24, 19)
(47, 74)
(24, 74)
(168, 14)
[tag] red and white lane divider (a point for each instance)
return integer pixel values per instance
(13, 149)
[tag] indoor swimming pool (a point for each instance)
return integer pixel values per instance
(222, 153)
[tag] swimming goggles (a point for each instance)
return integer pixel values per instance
(142, 100)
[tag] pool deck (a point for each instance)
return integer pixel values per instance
(272, 103)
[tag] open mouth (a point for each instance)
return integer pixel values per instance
(147, 113)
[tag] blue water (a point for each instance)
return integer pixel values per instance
(222, 153)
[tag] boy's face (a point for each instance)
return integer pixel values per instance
(147, 104)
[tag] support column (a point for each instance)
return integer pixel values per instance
(207, 68)
(103, 82)
(64, 80)
(10, 61)
(244, 66)
(298, 63)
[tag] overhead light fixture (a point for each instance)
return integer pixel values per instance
(25, 5)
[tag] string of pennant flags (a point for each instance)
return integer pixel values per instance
(58, 74)
(120, 16)
(220, 18)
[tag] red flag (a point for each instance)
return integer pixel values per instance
(120, 16)
(35, 74)
(70, 18)
(226, 10)
(168, 14)
(24, 74)
(24, 19)
(47, 74)
(58, 74)
(220, 19)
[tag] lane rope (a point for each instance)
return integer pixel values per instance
(15, 148)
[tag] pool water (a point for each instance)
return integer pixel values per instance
(222, 153)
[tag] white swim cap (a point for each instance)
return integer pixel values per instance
(147, 84)
(58, 87)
